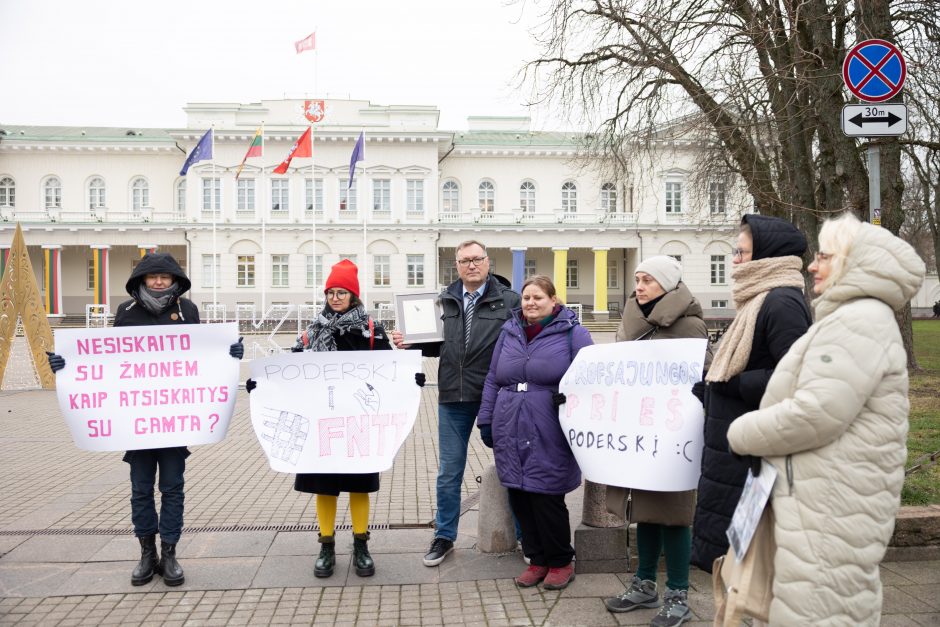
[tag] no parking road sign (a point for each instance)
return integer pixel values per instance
(874, 70)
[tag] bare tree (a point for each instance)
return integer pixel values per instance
(758, 81)
(922, 148)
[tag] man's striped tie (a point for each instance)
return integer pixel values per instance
(468, 316)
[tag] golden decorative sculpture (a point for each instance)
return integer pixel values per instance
(20, 297)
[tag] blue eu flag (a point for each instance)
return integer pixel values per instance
(201, 152)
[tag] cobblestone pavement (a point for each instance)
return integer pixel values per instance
(66, 548)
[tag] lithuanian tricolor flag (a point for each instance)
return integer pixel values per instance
(255, 149)
(99, 258)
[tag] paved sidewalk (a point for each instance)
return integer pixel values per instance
(66, 550)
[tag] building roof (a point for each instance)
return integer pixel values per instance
(519, 139)
(85, 133)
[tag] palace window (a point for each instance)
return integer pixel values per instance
(487, 197)
(569, 197)
(96, 194)
(527, 197)
(450, 197)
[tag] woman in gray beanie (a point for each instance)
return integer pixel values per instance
(662, 307)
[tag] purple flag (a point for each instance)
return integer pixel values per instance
(201, 152)
(358, 154)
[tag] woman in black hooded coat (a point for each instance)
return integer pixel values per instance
(156, 287)
(768, 294)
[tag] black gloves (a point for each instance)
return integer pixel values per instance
(250, 385)
(731, 387)
(297, 348)
(486, 434)
(420, 379)
(56, 362)
(698, 391)
(237, 350)
(558, 399)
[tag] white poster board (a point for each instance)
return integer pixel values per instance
(334, 412)
(630, 417)
(130, 388)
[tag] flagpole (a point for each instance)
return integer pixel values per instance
(365, 249)
(215, 219)
(313, 183)
(313, 218)
(263, 227)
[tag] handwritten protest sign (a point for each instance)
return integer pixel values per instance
(630, 417)
(129, 388)
(334, 412)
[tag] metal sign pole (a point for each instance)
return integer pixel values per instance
(874, 183)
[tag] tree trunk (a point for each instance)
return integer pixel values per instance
(905, 323)
(875, 21)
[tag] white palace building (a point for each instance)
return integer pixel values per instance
(92, 200)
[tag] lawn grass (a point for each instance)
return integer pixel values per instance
(923, 486)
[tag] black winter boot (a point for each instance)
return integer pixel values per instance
(171, 569)
(148, 564)
(327, 558)
(365, 567)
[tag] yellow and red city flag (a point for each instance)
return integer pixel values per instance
(255, 149)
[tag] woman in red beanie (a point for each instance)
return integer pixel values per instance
(343, 325)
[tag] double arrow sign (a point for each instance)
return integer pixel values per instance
(871, 120)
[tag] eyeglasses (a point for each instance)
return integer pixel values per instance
(740, 252)
(338, 294)
(476, 261)
(821, 256)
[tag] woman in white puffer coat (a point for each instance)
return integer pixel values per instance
(833, 422)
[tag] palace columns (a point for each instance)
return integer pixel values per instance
(600, 284)
(561, 273)
(518, 268)
(52, 278)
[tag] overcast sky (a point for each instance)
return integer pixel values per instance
(138, 62)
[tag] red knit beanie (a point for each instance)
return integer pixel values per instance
(344, 275)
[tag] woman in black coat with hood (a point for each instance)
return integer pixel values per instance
(771, 315)
(156, 287)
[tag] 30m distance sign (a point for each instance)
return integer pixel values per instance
(874, 120)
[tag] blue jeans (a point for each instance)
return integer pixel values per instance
(172, 464)
(454, 425)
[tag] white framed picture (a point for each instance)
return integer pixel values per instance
(419, 317)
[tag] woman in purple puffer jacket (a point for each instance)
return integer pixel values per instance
(518, 419)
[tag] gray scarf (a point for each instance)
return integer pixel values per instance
(320, 336)
(156, 302)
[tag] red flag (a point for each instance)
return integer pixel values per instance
(307, 43)
(301, 148)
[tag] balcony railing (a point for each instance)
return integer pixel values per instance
(475, 217)
(506, 218)
(144, 215)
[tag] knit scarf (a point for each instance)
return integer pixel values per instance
(752, 282)
(321, 334)
(534, 328)
(156, 302)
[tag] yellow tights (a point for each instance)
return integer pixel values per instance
(358, 507)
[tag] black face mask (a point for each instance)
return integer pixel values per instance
(647, 309)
